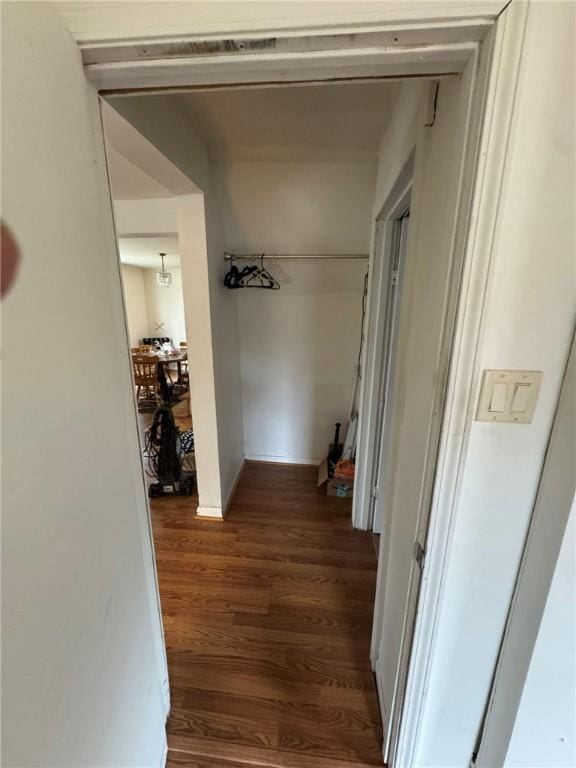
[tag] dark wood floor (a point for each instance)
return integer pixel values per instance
(267, 618)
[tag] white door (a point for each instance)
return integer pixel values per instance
(84, 674)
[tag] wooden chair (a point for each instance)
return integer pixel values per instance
(144, 349)
(184, 375)
(145, 368)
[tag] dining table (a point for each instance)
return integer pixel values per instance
(164, 359)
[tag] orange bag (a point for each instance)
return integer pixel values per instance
(344, 470)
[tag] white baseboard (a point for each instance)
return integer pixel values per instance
(285, 460)
(213, 512)
(234, 487)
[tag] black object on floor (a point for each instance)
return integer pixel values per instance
(164, 452)
(335, 450)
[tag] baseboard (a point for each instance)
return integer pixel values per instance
(285, 460)
(234, 487)
(218, 513)
(214, 513)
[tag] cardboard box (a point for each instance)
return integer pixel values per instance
(342, 488)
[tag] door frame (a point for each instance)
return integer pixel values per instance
(402, 44)
(397, 235)
(378, 285)
(456, 43)
(498, 82)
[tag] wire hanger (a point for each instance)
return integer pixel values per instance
(260, 278)
(252, 276)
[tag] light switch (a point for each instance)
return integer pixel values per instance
(521, 398)
(508, 396)
(499, 397)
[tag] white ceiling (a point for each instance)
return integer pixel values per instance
(315, 122)
(349, 118)
(143, 251)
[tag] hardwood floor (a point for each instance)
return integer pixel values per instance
(267, 618)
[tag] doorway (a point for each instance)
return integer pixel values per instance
(146, 228)
(263, 595)
(414, 340)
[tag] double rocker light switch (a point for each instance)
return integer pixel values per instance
(508, 396)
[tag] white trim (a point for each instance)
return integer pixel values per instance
(98, 25)
(469, 100)
(502, 54)
(285, 460)
(394, 37)
(213, 512)
(385, 460)
(362, 516)
(256, 68)
(390, 412)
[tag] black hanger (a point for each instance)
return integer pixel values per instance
(252, 276)
(261, 278)
(231, 277)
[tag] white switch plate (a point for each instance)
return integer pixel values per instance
(514, 398)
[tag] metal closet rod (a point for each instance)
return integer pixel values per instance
(296, 256)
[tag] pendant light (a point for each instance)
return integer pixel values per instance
(163, 278)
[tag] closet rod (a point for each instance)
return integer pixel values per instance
(255, 256)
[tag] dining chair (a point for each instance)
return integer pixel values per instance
(145, 368)
(183, 377)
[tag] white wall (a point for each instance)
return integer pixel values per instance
(135, 303)
(299, 345)
(155, 216)
(528, 325)
(165, 306)
(544, 732)
(127, 180)
(299, 349)
(296, 207)
(83, 670)
(149, 306)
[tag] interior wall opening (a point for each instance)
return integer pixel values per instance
(293, 180)
(288, 176)
(144, 189)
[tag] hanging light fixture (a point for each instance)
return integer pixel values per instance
(163, 278)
